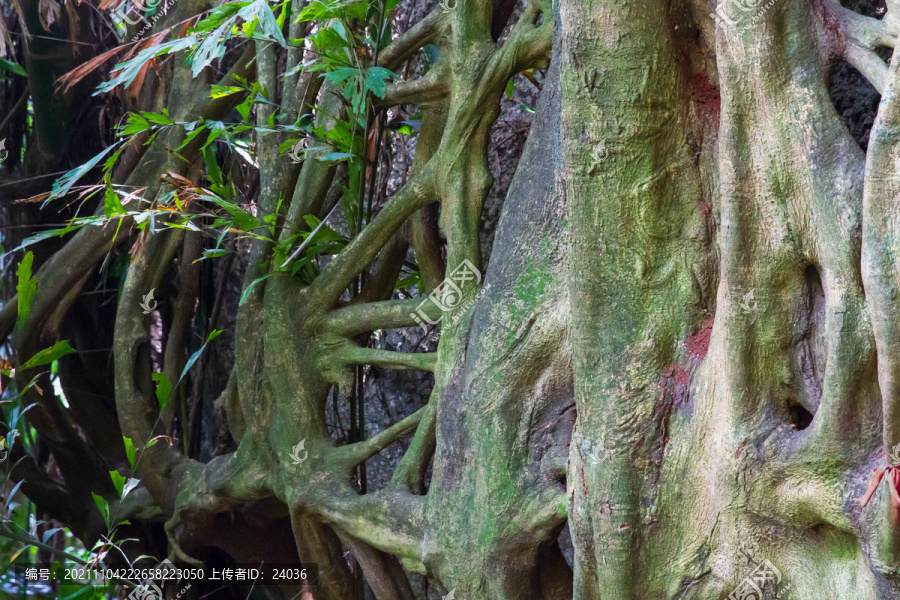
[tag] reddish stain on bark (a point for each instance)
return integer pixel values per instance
(704, 208)
(704, 94)
(583, 482)
(697, 345)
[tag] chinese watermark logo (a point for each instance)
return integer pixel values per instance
(149, 590)
(138, 7)
(295, 452)
(448, 295)
(599, 153)
(598, 453)
(446, 7)
(752, 586)
(4, 153)
(895, 161)
(4, 451)
(296, 152)
(748, 303)
(149, 304)
(746, 6)
(450, 596)
(894, 455)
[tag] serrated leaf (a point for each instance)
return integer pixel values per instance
(376, 80)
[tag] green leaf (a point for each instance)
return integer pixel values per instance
(159, 119)
(376, 80)
(132, 483)
(190, 363)
(25, 288)
(220, 91)
(333, 9)
(338, 76)
(335, 157)
(112, 206)
(103, 505)
(213, 253)
(408, 281)
(163, 389)
(212, 167)
(243, 219)
(211, 48)
(126, 72)
(12, 67)
(135, 124)
(119, 481)
(47, 234)
(246, 294)
(510, 88)
(49, 533)
(130, 450)
(432, 53)
(268, 24)
(48, 355)
(62, 185)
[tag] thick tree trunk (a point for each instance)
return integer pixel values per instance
(684, 347)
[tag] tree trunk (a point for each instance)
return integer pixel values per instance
(684, 348)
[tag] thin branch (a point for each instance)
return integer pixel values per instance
(410, 472)
(355, 319)
(425, 361)
(431, 87)
(422, 33)
(385, 270)
(353, 454)
(528, 45)
(868, 32)
(383, 572)
(390, 520)
(328, 287)
(868, 63)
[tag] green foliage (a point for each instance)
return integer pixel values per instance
(190, 363)
(11, 67)
(103, 506)
(48, 355)
(64, 184)
(129, 450)
(25, 288)
(163, 389)
(118, 482)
